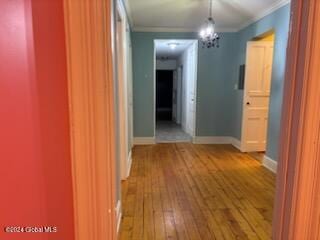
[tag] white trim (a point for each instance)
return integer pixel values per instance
(274, 7)
(236, 143)
(126, 6)
(270, 164)
(217, 140)
(122, 94)
(195, 87)
(176, 29)
(144, 140)
(118, 214)
(254, 19)
(129, 163)
(154, 87)
(122, 79)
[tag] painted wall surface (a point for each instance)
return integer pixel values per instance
(35, 172)
(170, 64)
(279, 22)
(219, 105)
(215, 83)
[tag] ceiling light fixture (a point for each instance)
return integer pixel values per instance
(208, 36)
(173, 46)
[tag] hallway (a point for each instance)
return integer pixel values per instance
(186, 191)
(168, 131)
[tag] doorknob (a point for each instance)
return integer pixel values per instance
(248, 103)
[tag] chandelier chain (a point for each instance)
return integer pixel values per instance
(210, 8)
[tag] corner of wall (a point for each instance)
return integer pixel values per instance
(270, 164)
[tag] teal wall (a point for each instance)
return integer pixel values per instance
(214, 84)
(219, 106)
(279, 22)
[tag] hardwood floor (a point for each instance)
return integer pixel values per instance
(185, 191)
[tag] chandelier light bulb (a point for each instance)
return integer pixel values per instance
(202, 33)
(209, 30)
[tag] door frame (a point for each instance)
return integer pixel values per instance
(92, 124)
(297, 208)
(196, 42)
(243, 146)
(122, 91)
(90, 49)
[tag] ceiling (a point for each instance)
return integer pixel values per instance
(164, 50)
(188, 15)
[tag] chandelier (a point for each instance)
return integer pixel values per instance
(208, 36)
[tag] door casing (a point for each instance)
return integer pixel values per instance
(90, 51)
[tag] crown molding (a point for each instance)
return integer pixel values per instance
(254, 19)
(264, 13)
(174, 29)
(126, 6)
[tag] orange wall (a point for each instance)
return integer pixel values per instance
(35, 172)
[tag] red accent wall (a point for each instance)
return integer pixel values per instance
(35, 170)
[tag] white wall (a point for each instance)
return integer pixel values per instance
(170, 64)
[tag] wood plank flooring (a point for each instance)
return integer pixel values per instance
(188, 192)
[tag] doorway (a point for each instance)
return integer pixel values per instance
(257, 85)
(175, 88)
(123, 84)
(164, 95)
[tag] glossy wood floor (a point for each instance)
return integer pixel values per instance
(185, 191)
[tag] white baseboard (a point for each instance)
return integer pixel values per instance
(129, 163)
(217, 140)
(236, 143)
(118, 214)
(144, 140)
(270, 164)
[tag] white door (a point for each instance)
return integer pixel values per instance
(256, 96)
(191, 92)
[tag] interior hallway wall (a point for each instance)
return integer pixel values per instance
(214, 85)
(35, 173)
(219, 105)
(170, 64)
